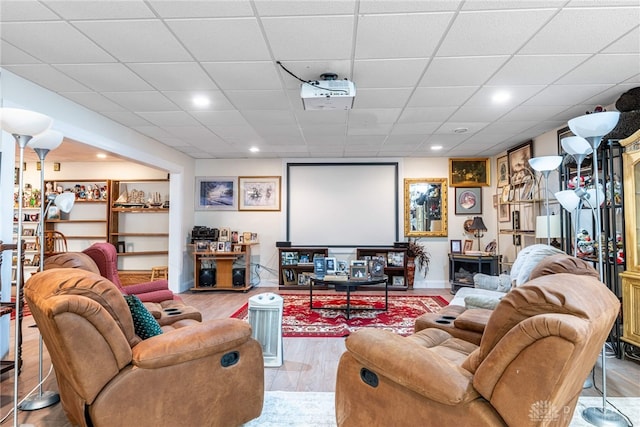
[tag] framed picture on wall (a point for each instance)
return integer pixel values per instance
(216, 193)
(468, 201)
(502, 166)
(504, 212)
(469, 172)
(259, 193)
(519, 162)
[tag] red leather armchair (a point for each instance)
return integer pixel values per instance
(106, 258)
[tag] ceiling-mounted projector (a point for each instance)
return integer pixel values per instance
(328, 94)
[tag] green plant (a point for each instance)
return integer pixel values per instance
(422, 258)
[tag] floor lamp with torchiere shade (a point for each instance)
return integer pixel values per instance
(592, 127)
(42, 144)
(23, 125)
(545, 165)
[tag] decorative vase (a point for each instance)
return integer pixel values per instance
(411, 272)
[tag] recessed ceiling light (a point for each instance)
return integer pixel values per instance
(201, 101)
(254, 149)
(101, 156)
(501, 97)
(436, 147)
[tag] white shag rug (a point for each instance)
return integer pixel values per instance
(293, 409)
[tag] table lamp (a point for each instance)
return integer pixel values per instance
(477, 226)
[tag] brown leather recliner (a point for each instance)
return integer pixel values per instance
(202, 374)
(167, 312)
(537, 349)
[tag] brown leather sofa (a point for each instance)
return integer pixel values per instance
(537, 349)
(200, 374)
(167, 312)
(469, 324)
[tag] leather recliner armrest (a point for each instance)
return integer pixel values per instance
(411, 365)
(195, 342)
(473, 319)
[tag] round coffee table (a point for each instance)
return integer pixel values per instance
(349, 285)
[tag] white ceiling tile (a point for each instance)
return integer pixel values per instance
(273, 117)
(198, 136)
(605, 68)
(548, 69)
(510, 4)
(470, 33)
(362, 140)
(233, 39)
(565, 94)
(243, 75)
(54, 42)
(12, 55)
(318, 117)
(381, 98)
(94, 101)
(47, 76)
(26, 10)
(90, 9)
(590, 29)
(630, 42)
(373, 115)
(105, 77)
(126, 118)
(288, 7)
(312, 131)
(185, 100)
(469, 113)
(233, 131)
(430, 114)
(310, 37)
(174, 76)
(136, 41)
(371, 129)
(399, 36)
(169, 118)
(452, 96)
(399, 6)
(390, 73)
(258, 99)
(153, 132)
(141, 101)
(215, 118)
(201, 9)
(463, 71)
(532, 112)
(450, 127)
(424, 128)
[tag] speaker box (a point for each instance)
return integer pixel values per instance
(283, 244)
(238, 276)
(207, 277)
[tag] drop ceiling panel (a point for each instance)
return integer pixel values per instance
(258, 99)
(141, 101)
(94, 101)
(130, 9)
(549, 68)
(105, 77)
(174, 76)
(390, 73)
(288, 7)
(381, 98)
(201, 9)
(452, 96)
(47, 76)
(184, 99)
(605, 68)
(463, 71)
(244, 75)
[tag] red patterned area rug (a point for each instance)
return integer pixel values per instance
(299, 320)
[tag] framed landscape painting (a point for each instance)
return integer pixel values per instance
(469, 172)
(217, 193)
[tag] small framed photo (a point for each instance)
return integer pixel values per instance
(220, 247)
(237, 248)
(28, 232)
(331, 265)
(259, 193)
(504, 212)
(468, 245)
(503, 171)
(468, 201)
(304, 279)
(469, 172)
(358, 262)
(201, 245)
(519, 162)
(526, 193)
(357, 272)
(456, 246)
(289, 277)
(225, 234)
(217, 193)
(376, 267)
(397, 281)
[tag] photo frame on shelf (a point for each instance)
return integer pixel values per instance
(289, 277)
(358, 272)
(376, 267)
(468, 201)
(504, 212)
(456, 246)
(397, 281)
(201, 245)
(259, 193)
(526, 192)
(470, 172)
(519, 162)
(502, 168)
(330, 265)
(468, 246)
(216, 193)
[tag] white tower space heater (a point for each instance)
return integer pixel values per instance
(265, 318)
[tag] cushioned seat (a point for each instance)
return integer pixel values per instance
(537, 349)
(195, 374)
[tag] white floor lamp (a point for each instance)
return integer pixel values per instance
(545, 165)
(23, 125)
(42, 144)
(593, 127)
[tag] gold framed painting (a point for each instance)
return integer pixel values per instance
(469, 172)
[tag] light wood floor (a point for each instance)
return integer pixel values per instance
(310, 363)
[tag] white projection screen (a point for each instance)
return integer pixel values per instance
(342, 204)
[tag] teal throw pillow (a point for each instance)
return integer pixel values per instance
(145, 324)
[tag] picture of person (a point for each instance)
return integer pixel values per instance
(467, 200)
